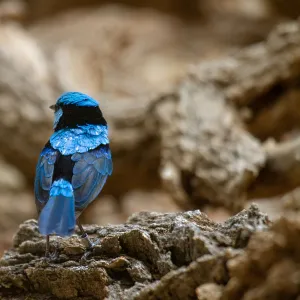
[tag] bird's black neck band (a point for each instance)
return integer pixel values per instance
(80, 115)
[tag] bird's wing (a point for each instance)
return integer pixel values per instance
(44, 174)
(89, 174)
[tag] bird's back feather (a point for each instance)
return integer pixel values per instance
(90, 172)
(44, 175)
(80, 139)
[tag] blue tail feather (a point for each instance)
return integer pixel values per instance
(58, 215)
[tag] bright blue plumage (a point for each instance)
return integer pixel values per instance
(76, 98)
(58, 215)
(57, 115)
(74, 165)
(80, 139)
(44, 174)
(89, 175)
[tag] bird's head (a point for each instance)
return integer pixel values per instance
(73, 109)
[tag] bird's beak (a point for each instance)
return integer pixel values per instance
(52, 107)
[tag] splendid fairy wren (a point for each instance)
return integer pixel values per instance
(73, 166)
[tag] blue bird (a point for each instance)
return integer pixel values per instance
(73, 166)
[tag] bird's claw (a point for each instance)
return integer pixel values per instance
(90, 251)
(51, 257)
(86, 255)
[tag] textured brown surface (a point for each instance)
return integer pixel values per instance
(161, 256)
(291, 10)
(282, 171)
(156, 136)
(164, 124)
(193, 138)
(207, 154)
(269, 268)
(197, 124)
(209, 291)
(152, 256)
(123, 65)
(185, 9)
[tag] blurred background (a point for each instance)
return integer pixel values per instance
(125, 54)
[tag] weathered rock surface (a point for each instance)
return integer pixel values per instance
(232, 105)
(152, 256)
(269, 268)
(127, 72)
(207, 155)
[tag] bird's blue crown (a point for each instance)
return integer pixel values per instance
(78, 124)
(76, 98)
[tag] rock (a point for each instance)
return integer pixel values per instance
(151, 256)
(209, 291)
(207, 155)
(269, 268)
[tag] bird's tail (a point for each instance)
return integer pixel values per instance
(58, 215)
